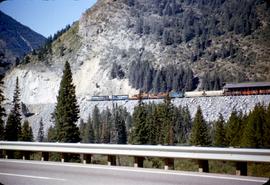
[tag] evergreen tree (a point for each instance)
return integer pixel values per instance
(83, 131)
(106, 126)
(96, 123)
(27, 134)
(40, 137)
(120, 128)
(140, 130)
(234, 129)
(67, 109)
(90, 134)
(254, 130)
(168, 119)
(183, 124)
(2, 110)
(13, 125)
(219, 132)
(51, 136)
(199, 133)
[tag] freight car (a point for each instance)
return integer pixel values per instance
(203, 93)
(120, 97)
(100, 98)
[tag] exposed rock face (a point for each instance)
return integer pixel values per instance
(16, 40)
(105, 35)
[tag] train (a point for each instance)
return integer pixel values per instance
(230, 89)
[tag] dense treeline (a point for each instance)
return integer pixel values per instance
(172, 22)
(107, 126)
(143, 76)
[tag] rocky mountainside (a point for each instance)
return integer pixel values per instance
(121, 46)
(16, 40)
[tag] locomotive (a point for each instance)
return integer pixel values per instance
(230, 89)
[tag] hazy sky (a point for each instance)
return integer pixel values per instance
(45, 16)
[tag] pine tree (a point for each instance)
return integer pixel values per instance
(27, 134)
(199, 133)
(96, 123)
(168, 119)
(106, 117)
(219, 132)
(83, 131)
(40, 137)
(2, 110)
(51, 135)
(90, 134)
(234, 129)
(13, 125)
(254, 130)
(140, 130)
(120, 128)
(67, 109)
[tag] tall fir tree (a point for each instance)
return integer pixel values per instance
(2, 110)
(255, 131)
(168, 119)
(27, 134)
(67, 110)
(140, 131)
(51, 135)
(120, 127)
(13, 125)
(40, 136)
(90, 131)
(219, 132)
(200, 132)
(83, 131)
(96, 123)
(234, 129)
(106, 126)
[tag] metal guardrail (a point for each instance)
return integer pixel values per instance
(183, 152)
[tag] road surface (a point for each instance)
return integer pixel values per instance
(19, 172)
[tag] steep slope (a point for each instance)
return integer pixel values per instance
(16, 40)
(120, 46)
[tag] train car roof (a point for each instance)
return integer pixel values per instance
(246, 85)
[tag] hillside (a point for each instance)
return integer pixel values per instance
(121, 46)
(16, 40)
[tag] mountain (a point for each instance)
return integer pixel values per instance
(16, 40)
(121, 46)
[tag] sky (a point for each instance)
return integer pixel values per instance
(46, 16)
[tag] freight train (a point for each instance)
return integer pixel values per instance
(236, 89)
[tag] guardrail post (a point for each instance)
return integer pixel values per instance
(45, 156)
(169, 164)
(241, 168)
(203, 166)
(85, 158)
(112, 160)
(26, 155)
(138, 162)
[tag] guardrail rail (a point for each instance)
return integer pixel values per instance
(240, 155)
